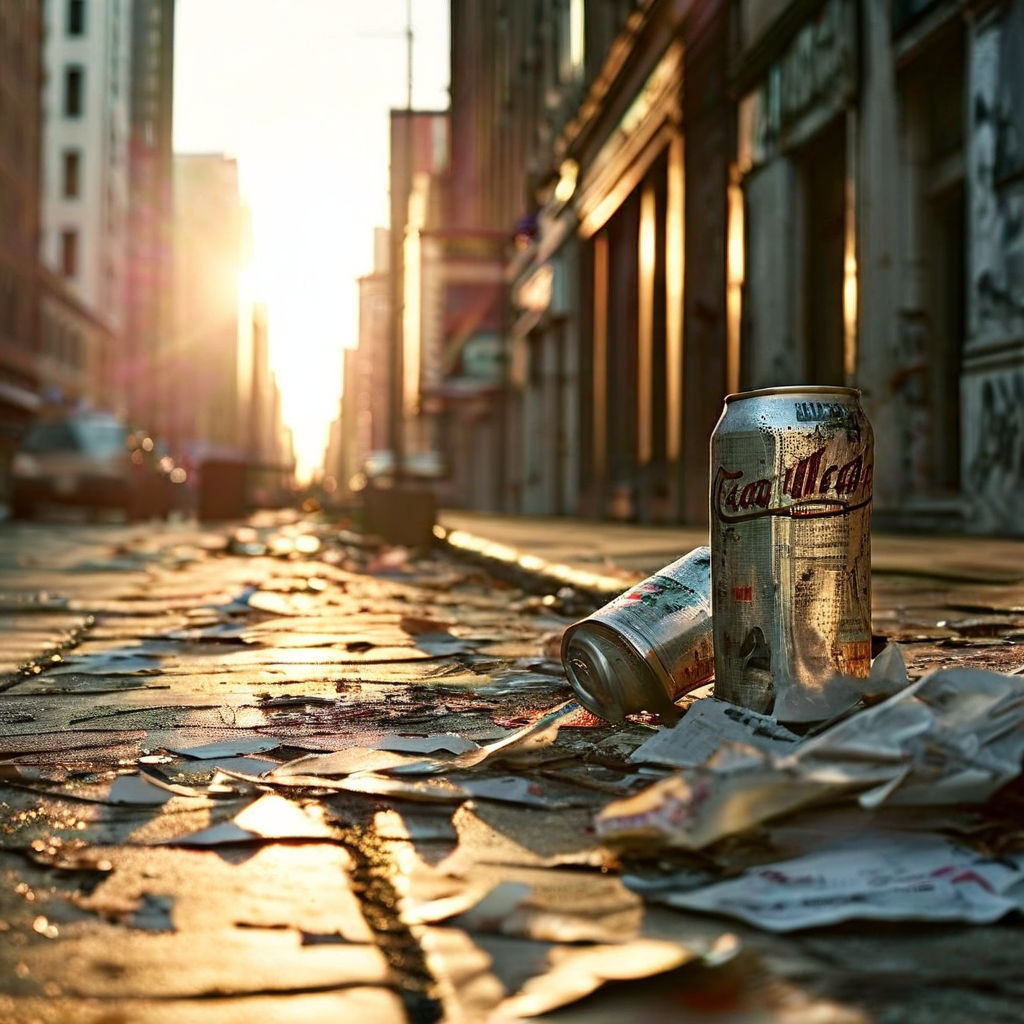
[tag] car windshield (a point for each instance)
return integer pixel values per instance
(50, 437)
(92, 436)
(101, 437)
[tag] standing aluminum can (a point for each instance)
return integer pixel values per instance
(791, 484)
(648, 646)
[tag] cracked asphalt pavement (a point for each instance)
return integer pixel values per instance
(214, 805)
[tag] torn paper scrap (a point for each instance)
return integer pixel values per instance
(348, 761)
(445, 742)
(706, 727)
(891, 878)
(523, 743)
(888, 673)
(268, 817)
(576, 971)
(515, 789)
(954, 736)
(691, 809)
(232, 747)
(137, 789)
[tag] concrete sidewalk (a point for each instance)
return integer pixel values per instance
(604, 557)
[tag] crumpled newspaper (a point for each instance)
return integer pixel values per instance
(954, 736)
(883, 876)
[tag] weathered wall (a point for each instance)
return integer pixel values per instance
(993, 383)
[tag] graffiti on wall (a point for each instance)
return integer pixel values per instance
(912, 401)
(817, 69)
(996, 169)
(995, 456)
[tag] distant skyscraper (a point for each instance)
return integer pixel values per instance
(86, 104)
(139, 370)
(200, 407)
(105, 204)
(20, 35)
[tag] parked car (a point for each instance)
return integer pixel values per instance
(92, 460)
(379, 467)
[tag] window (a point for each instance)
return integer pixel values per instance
(69, 252)
(569, 36)
(8, 303)
(73, 87)
(72, 170)
(76, 17)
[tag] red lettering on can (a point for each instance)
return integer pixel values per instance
(740, 497)
(802, 479)
(849, 476)
(810, 479)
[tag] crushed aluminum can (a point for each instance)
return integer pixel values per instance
(791, 488)
(648, 646)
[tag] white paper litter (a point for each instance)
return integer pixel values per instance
(888, 877)
(954, 736)
(446, 742)
(705, 728)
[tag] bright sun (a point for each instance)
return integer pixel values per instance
(305, 275)
(301, 98)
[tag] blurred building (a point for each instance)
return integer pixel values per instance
(139, 368)
(590, 136)
(267, 447)
(419, 148)
(86, 113)
(199, 407)
(106, 164)
(74, 343)
(20, 69)
(364, 424)
(464, 394)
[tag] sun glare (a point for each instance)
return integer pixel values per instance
(302, 101)
(304, 274)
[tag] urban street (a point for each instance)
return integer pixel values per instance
(511, 511)
(277, 770)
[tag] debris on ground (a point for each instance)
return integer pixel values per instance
(285, 750)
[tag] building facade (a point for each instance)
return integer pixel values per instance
(20, 66)
(86, 106)
(419, 148)
(200, 412)
(701, 198)
(881, 167)
(600, 139)
(366, 374)
(138, 375)
(267, 445)
(106, 201)
(991, 451)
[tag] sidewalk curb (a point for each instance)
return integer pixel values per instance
(535, 573)
(531, 571)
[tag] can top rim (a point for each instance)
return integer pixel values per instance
(795, 389)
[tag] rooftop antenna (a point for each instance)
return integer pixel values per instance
(408, 54)
(397, 425)
(404, 513)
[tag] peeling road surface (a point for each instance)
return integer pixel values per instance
(275, 773)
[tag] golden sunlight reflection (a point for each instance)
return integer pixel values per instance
(305, 277)
(736, 258)
(850, 312)
(275, 817)
(310, 134)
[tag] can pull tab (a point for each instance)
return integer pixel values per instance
(758, 683)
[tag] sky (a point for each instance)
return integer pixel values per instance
(299, 91)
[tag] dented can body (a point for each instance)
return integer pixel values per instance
(648, 646)
(791, 487)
